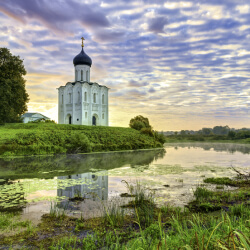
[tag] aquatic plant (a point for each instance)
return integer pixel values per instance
(220, 181)
(57, 211)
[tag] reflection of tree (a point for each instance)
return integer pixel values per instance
(144, 158)
(206, 147)
(51, 166)
(161, 153)
(219, 147)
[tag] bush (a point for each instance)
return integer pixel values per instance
(160, 137)
(79, 143)
(147, 131)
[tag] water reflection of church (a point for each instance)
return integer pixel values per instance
(94, 187)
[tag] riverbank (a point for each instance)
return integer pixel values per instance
(206, 138)
(214, 220)
(49, 138)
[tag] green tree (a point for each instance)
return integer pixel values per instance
(13, 95)
(206, 131)
(231, 134)
(139, 123)
(221, 130)
(183, 132)
(142, 124)
(243, 134)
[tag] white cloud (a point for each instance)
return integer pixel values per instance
(191, 70)
(243, 9)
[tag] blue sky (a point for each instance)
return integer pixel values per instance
(182, 64)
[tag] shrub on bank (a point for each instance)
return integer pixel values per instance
(79, 142)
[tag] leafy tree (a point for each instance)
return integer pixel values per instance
(139, 123)
(13, 95)
(206, 131)
(231, 134)
(142, 124)
(183, 132)
(243, 134)
(221, 130)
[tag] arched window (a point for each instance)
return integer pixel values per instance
(87, 75)
(78, 97)
(102, 115)
(85, 96)
(70, 97)
(103, 194)
(81, 75)
(76, 75)
(94, 98)
(62, 99)
(86, 115)
(103, 99)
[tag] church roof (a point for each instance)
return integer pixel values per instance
(82, 59)
(30, 114)
(82, 82)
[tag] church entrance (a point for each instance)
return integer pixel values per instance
(94, 120)
(68, 119)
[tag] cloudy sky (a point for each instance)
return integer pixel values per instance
(183, 64)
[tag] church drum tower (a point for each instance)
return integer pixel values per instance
(83, 102)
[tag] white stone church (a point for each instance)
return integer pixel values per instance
(83, 102)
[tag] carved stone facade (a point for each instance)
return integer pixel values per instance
(83, 102)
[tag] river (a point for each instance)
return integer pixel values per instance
(35, 185)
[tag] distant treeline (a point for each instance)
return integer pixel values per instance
(215, 133)
(217, 130)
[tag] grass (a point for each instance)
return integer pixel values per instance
(146, 226)
(11, 221)
(49, 138)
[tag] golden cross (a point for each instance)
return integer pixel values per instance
(82, 41)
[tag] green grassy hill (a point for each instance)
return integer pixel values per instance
(49, 138)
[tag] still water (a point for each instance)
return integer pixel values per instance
(33, 185)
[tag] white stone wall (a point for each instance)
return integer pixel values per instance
(81, 102)
(93, 183)
(82, 73)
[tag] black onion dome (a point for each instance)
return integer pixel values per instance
(82, 59)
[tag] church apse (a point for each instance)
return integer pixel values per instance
(82, 99)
